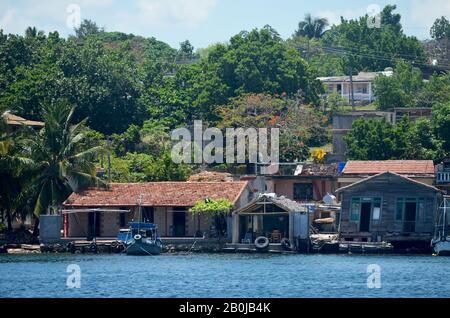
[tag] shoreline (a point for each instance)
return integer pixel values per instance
(61, 250)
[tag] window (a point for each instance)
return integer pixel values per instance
(421, 212)
(423, 209)
(371, 207)
(147, 214)
(428, 214)
(303, 191)
(355, 209)
(376, 209)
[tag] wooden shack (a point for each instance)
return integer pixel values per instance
(271, 216)
(388, 207)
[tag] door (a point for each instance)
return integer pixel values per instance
(364, 225)
(148, 214)
(94, 225)
(179, 223)
(409, 223)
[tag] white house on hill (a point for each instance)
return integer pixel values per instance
(362, 85)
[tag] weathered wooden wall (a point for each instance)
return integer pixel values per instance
(389, 188)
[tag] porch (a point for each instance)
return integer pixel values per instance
(276, 218)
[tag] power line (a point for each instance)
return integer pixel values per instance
(347, 51)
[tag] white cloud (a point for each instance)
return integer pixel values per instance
(425, 12)
(47, 15)
(7, 19)
(179, 12)
(334, 16)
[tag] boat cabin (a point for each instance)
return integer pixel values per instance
(148, 230)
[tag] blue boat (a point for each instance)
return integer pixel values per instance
(141, 238)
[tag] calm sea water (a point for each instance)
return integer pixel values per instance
(225, 275)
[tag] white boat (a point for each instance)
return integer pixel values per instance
(441, 240)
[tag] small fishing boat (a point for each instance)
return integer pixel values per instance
(141, 239)
(441, 239)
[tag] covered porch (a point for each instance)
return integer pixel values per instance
(276, 218)
(106, 222)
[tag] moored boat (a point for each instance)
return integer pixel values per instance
(141, 239)
(441, 239)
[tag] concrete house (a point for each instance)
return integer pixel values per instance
(388, 207)
(362, 85)
(163, 203)
(303, 182)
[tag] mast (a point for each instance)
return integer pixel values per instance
(444, 218)
(140, 207)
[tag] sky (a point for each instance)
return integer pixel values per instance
(204, 22)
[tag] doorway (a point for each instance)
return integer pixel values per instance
(179, 222)
(94, 225)
(409, 223)
(364, 225)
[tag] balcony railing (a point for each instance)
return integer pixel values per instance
(442, 177)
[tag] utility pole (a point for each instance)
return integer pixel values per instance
(352, 96)
(109, 158)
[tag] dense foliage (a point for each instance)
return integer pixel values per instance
(110, 100)
(407, 140)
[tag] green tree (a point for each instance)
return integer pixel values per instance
(374, 48)
(186, 51)
(312, 27)
(61, 167)
(87, 28)
(379, 140)
(401, 89)
(441, 122)
(440, 29)
(218, 209)
(371, 140)
(15, 170)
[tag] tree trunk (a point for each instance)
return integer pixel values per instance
(9, 220)
(36, 228)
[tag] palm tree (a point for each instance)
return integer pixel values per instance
(312, 27)
(62, 167)
(14, 169)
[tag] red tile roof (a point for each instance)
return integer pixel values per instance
(407, 167)
(177, 194)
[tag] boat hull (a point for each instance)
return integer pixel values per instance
(442, 248)
(139, 248)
